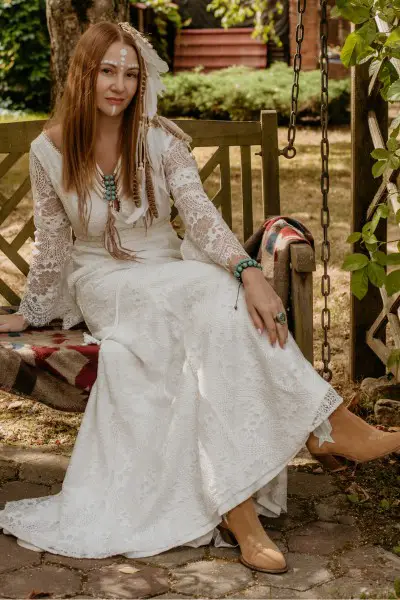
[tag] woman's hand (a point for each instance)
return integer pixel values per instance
(263, 304)
(13, 323)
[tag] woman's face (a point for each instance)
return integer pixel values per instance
(118, 79)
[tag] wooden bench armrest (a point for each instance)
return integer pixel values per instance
(302, 259)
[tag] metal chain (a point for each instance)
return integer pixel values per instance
(290, 151)
(325, 217)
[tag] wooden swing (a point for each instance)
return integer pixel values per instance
(47, 363)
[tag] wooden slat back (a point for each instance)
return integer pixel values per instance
(270, 163)
(247, 191)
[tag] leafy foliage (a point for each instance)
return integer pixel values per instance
(165, 13)
(368, 44)
(24, 55)
(239, 93)
(262, 12)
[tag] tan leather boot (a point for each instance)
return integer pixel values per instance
(354, 439)
(258, 551)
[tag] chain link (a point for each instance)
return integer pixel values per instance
(290, 151)
(325, 216)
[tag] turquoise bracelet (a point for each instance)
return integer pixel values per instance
(243, 264)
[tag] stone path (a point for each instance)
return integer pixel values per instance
(325, 551)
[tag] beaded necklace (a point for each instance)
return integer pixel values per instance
(109, 187)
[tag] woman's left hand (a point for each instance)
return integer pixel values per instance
(263, 304)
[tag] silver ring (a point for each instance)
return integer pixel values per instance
(280, 318)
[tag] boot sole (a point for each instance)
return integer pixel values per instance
(335, 462)
(255, 568)
(230, 537)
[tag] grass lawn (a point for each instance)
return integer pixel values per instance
(32, 423)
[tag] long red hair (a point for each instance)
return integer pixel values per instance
(77, 114)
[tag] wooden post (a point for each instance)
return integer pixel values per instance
(270, 163)
(363, 361)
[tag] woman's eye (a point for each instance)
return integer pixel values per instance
(130, 75)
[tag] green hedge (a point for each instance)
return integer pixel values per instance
(239, 93)
(24, 55)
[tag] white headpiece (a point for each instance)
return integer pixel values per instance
(154, 67)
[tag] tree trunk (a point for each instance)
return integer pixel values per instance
(66, 21)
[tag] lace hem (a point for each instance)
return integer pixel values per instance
(322, 427)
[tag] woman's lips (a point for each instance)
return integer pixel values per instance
(116, 101)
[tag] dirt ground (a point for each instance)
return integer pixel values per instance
(30, 423)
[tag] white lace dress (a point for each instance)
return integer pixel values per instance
(192, 410)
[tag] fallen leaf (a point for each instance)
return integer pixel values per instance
(318, 470)
(355, 489)
(128, 569)
(15, 404)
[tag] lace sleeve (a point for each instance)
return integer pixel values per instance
(41, 299)
(203, 222)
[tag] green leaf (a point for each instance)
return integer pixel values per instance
(392, 282)
(365, 55)
(379, 168)
(355, 13)
(371, 246)
(395, 124)
(357, 42)
(367, 228)
(394, 37)
(376, 274)
(350, 50)
(392, 144)
(380, 154)
(387, 76)
(359, 283)
(367, 32)
(354, 237)
(380, 257)
(355, 261)
(394, 162)
(353, 498)
(393, 258)
(383, 211)
(375, 222)
(398, 216)
(335, 12)
(370, 238)
(393, 94)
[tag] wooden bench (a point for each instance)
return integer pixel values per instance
(15, 139)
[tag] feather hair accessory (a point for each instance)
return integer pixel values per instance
(154, 66)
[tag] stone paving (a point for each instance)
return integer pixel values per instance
(326, 554)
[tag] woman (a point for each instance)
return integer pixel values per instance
(196, 410)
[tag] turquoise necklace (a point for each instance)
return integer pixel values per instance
(109, 188)
(110, 193)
